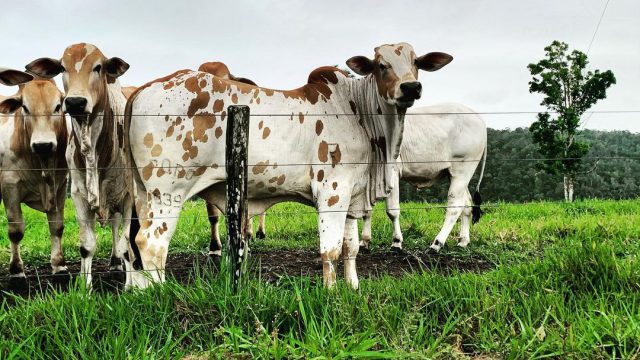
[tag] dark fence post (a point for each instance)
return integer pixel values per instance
(237, 205)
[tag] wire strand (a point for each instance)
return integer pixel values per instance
(631, 111)
(215, 166)
(597, 27)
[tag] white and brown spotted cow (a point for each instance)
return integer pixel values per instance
(34, 171)
(346, 132)
(100, 171)
(221, 70)
(440, 141)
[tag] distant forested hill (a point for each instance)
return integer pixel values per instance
(519, 180)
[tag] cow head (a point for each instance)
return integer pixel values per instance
(39, 103)
(12, 77)
(85, 74)
(395, 69)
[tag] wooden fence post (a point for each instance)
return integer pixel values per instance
(237, 171)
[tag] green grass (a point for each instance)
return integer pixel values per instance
(566, 285)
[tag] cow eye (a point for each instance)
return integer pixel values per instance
(57, 108)
(97, 68)
(26, 110)
(383, 67)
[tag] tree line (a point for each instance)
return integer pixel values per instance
(508, 177)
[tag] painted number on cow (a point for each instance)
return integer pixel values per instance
(167, 199)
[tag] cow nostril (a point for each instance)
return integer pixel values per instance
(44, 149)
(411, 89)
(75, 105)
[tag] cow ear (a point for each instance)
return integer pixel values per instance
(361, 65)
(11, 77)
(10, 105)
(433, 61)
(115, 67)
(45, 67)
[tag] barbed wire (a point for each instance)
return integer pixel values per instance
(508, 112)
(5, 220)
(328, 163)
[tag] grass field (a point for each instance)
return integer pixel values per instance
(564, 283)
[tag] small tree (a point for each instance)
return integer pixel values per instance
(569, 90)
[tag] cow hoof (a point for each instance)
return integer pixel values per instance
(115, 264)
(260, 235)
(18, 283)
(398, 250)
(364, 250)
(433, 249)
(62, 277)
(214, 260)
(463, 244)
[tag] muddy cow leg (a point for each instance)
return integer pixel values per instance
(215, 245)
(123, 245)
(261, 233)
(365, 240)
(87, 222)
(350, 249)
(465, 221)
(56, 228)
(153, 238)
(16, 233)
(115, 260)
(456, 202)
(332, 214)
(392, 205)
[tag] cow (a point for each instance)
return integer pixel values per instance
(440, 141)
(33, 139)
(334, 149)
(99, 164)
(221, 70)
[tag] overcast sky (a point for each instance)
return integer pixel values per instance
(277, 43)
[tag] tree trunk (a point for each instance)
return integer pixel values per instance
(568, 188)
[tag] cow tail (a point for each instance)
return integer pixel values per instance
(476, 211)
(135, 219)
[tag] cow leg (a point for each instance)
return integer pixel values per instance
(465, 222)
(350, 248)
(261, 233)
(366, 231)
(115, 262)
(215, 245)
(123, 244)
(331, 224)
(158, 223)
(392, 205)
(455, 204)
(56, 228)
(248, 230)
(16, 233)
(87, 223)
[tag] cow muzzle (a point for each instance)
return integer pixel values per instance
(411, 91)
(44, 150)
(76, 106)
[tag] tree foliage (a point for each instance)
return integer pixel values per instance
(568, 91)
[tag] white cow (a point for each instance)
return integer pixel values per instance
(100, 171)
(440, 141)
(345, 132)
(33, 138)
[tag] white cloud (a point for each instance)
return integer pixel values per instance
(277, 43)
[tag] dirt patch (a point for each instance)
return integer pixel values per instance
(271, 265)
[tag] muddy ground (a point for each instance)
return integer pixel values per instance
(271, 265)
